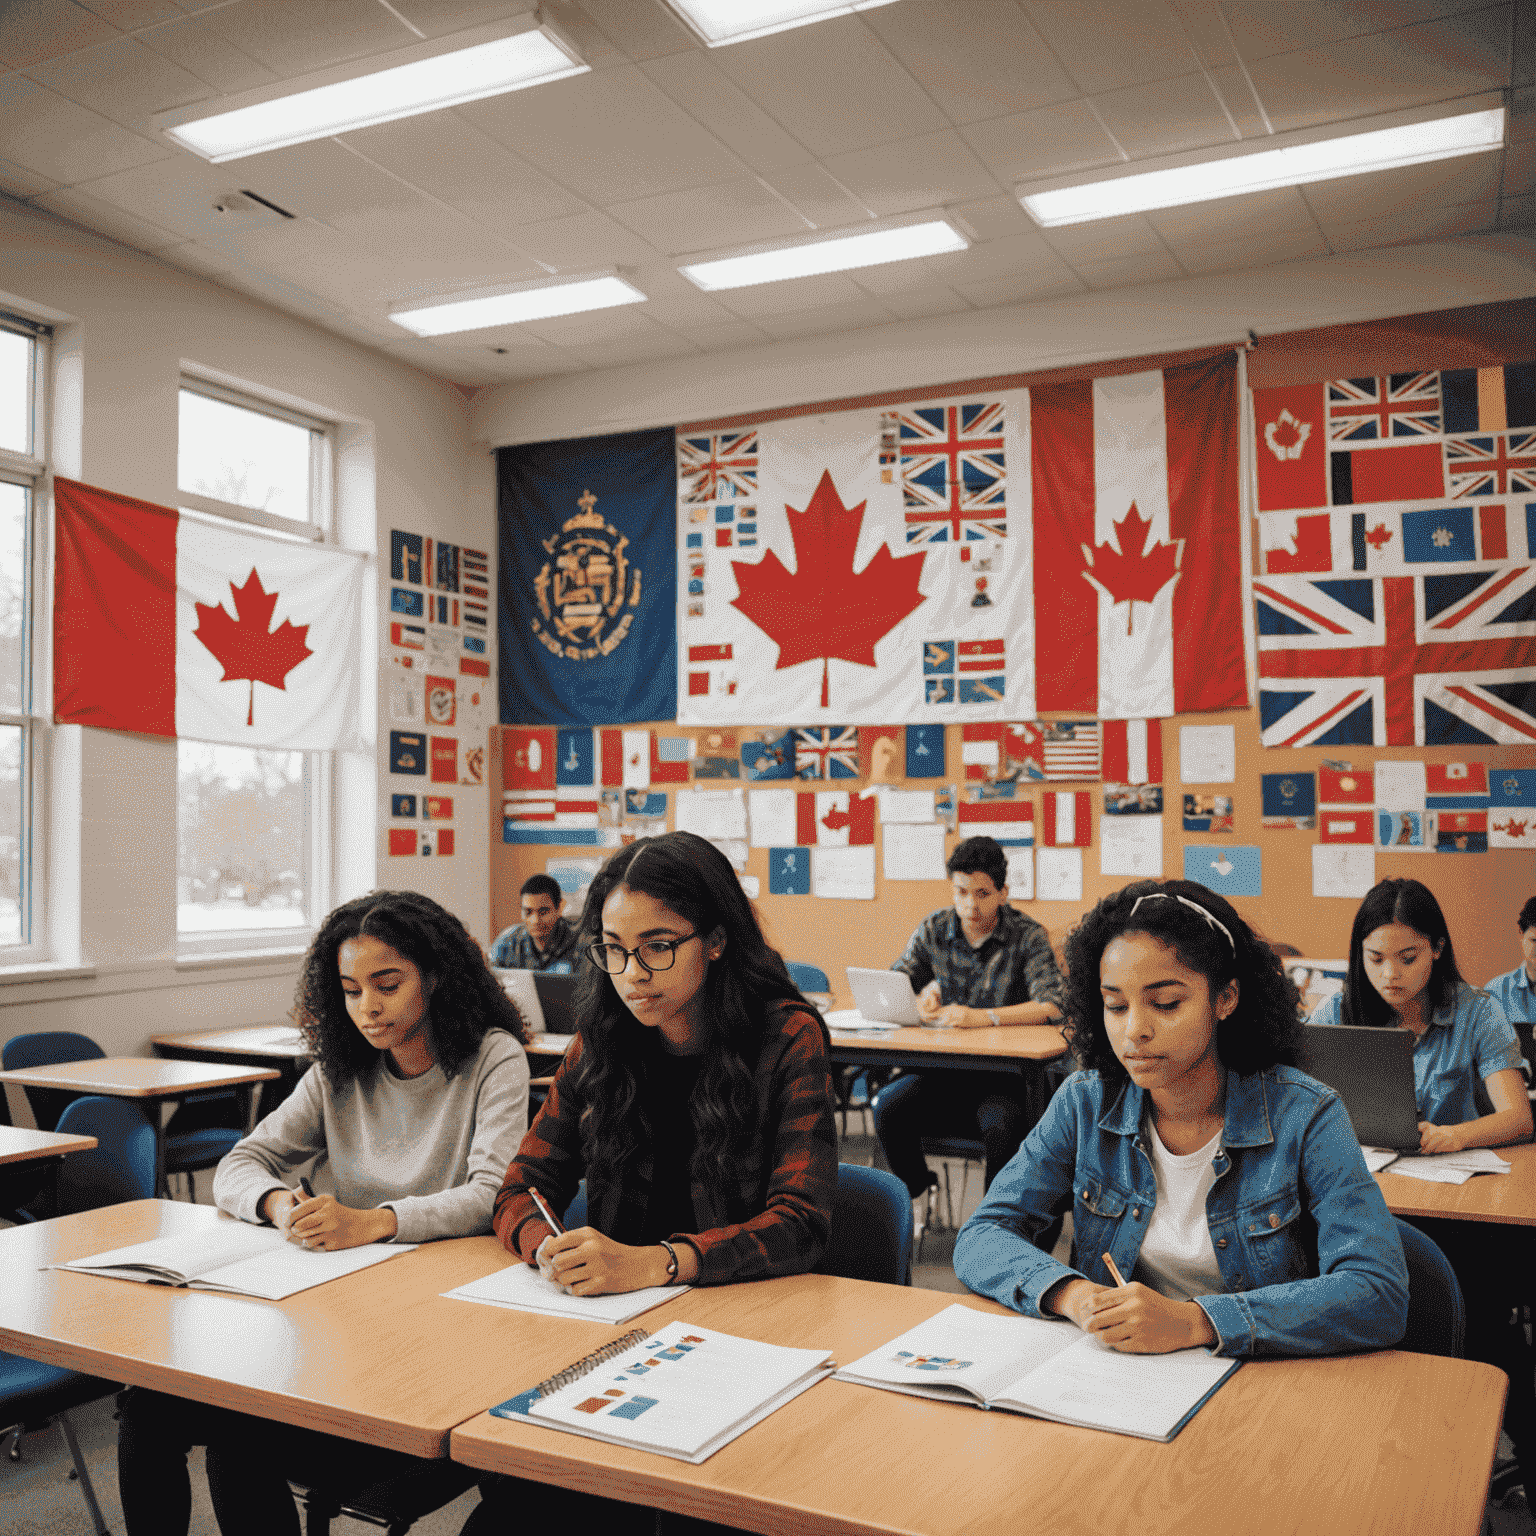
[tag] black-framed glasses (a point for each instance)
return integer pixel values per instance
(654, 954)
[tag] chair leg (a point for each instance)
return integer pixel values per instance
(13, 1434)
(68, 1431)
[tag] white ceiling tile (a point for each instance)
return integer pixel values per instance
(1236, 90)
(1520, 168)
(18, 181)
(838, 317)
(654, 348)
(1254, 215)
(608, 135)
(642, 31)
(735, 212)
(444, 154)
(196, 44)
(1145, 41)
(822, 200)
(179, 194)
(196, 258)
(1103, 239)
(1046, 142)
(698, 85)
(1381, 194)
(925, 172)
(1261, 27)
(128, 14)
(595, 327)
(835, 86)
(1010, 256)
(122, 80)
(437, 18)
(925, 303)
(584, 241)
(1413, 224)
(1205, 25)
(293, 37)
(1158, 119)
(1435, 61)
(71, 203)
(45, 133)
(786, 297)
(33, 30)
(1255, 251)
(976, 60)
(1024, 288)
(897, 277)
(989, 217)
(682, 313)
(725, 336)
(1128, 271)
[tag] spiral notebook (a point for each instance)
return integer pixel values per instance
(681, 1391)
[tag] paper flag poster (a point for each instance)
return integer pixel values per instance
(1347, 826)
(789, 871)
(773, 759)
(915, 852)
(575, 759)
(1131, 845)
(1461, 831)
(637, 759)
(1456, 786)
(1512, 808)
(925, 751)
(1345, 786)
(1133, 751)
(1068, 819)
(1290, 800)
(832, 818)
(1058, 874)
(527, 759)
(407, 752)
(670, 756)
(1347, 872)
(1207, 813)
(1010, 823)
(880, 753)
(1405, 831)
(1234, 869)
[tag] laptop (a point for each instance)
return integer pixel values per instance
(1372, 1071)
(557, 1001)
(884, 997)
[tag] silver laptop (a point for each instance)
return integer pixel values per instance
(884, 997)
(1372, 1071)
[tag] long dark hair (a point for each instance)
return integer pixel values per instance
(1413, 904)
(694, 879)
(1264, 1030)
(463, 999)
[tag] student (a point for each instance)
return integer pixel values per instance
(1515, 991)
(543, 941)
(979, 962)
(1227, 1185)
(697, 1103)
(1402, 974)
(418, 1050)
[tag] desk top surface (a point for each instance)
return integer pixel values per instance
(135, 1077)
(20, 1144)
(1031, 1042)
(1508, 1199)
(282, 1042)
(1387, 1442)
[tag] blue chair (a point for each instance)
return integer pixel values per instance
(1437, 1315)
(122, 1164)
(44, 1050)
(871, 1227)
(32, 1395)
(576, 1211)
(808, 978)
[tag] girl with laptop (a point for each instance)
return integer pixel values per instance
(697, 1103)
(1470, 1092)
(1222, 1183)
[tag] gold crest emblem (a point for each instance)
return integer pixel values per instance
(588, 590)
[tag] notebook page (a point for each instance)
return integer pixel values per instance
(523, 1288)
(188, 1256)
(290, 1269)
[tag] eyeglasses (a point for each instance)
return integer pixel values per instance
(654, 954)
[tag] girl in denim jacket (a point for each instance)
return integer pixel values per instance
(1224, 1182)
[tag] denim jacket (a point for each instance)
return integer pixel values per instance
(1308, 1252)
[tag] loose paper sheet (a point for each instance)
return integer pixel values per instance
(637, 759)
(909, 805)
(1131, 845)
(1207, 754)
(712, 813)
(773, 817)
(1021, 873)
(1342, 869)
(843, 874)
(1400, 786)
(913, 852)
(1058, 874)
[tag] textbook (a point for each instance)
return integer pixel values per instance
(681, 1391)
(523, 1288)
(235, 1257)
(1049, 1370)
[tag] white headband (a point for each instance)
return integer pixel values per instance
(1194, 906)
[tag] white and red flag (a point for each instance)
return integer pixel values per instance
(1138, 542)
(177, 627)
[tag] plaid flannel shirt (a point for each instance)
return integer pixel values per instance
(514, 948)
(774, 1219)
(1014, 964)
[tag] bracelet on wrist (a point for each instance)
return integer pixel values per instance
(671, 1262)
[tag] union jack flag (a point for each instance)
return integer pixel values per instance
(827, 752)
(719, 466)
(1398, 660)
(1369, 410)
(1502, 464)
(953, 474)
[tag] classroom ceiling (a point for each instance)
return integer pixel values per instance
(669, 148)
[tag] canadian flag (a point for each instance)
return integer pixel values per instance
(178, 627)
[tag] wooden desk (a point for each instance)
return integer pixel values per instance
(379, 1356)
(1508, 1199)
(166, 1083)
(550, 1046)
(257, 1045)
(21, 1145)
(1387, 1442)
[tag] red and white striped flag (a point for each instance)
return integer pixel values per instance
(1068, 819)
(1132, 752)
(1138, 543)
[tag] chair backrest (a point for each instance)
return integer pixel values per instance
(808, 978)
(122, 1164)
(576, 1211)
(871, 1227)
(43, 1050)
(1437, 1315)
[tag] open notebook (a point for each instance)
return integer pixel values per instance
(681, 1391)
(234, 1257)
(1049, 1370)
(524, 1289)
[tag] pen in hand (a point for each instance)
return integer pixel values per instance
(546, 1213)
(1114, 1270)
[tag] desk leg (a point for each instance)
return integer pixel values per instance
(164, 1109)
(51, 1185)
(253, 1105)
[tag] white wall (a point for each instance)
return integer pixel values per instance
(132, 324)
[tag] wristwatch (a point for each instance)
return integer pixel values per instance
(992, 1014)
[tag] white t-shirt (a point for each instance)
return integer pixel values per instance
(1176, 1256)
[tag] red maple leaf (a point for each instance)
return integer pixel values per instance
(243, 645)
(1378, 536)
(823, 609)
(1136, 572)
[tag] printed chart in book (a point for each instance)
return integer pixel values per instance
(240, 1259)
(524, 1289)
(1048, 1370)
(681, 1391)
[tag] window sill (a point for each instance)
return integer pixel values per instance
(44, 970)
(211, 960)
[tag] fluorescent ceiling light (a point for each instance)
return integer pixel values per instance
(718, 22)
(512, 308)
(422, 78)
(1294, 165)
(836, 255)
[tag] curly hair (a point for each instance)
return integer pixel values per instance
(692, 878)
(1265, 1028)
(463, 999)
(1413, 904)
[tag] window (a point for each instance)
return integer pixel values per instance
(252, 829)
(23, 735)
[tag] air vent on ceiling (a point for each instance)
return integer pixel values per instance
(246, 201)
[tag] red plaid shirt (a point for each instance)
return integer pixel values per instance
(773, 1220)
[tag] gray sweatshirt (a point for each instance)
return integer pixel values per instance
(433, 1150)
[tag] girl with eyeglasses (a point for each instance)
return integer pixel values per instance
(1224, 1185)
(697, 1103)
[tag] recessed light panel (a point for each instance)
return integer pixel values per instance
(840, 254)
(718, 22)
(512, 308)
